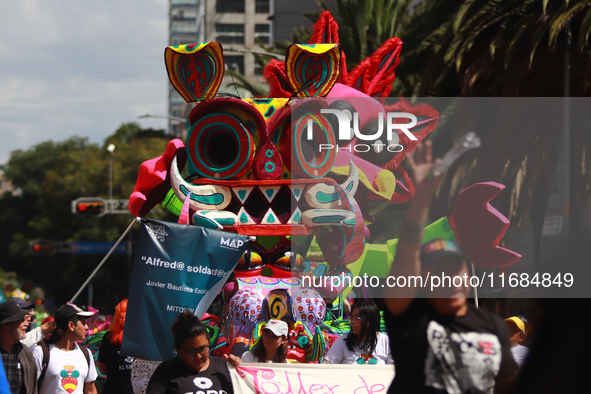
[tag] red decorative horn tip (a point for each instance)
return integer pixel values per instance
(479, 227)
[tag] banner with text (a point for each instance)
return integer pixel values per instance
(311, 378)
(176, 267)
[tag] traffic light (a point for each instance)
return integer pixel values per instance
(89, 206)
(42, 248)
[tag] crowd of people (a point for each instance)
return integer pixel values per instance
(58, 363)
(438, 343)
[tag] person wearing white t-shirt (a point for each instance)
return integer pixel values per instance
(364, 344)
(68, 370)
(272, 348)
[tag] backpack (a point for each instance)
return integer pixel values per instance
(45, 348)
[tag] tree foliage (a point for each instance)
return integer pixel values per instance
(513, 48)
(492, 47)
(48, 177)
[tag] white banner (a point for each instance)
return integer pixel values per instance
(311, 378)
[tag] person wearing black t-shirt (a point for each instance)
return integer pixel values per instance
(440, 344)
(111, 362)
(193, 370)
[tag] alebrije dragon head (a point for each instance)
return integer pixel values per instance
(250, 169)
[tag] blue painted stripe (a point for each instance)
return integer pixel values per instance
(326, 198)
(205, 222)
(329, 219)
(213, 199)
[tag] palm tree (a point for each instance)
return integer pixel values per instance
(503, 48)
(240, 81)
(364, 25)
(464, 45)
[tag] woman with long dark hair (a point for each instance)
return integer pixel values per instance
(272, 347)
(364, 344)
(193, 370)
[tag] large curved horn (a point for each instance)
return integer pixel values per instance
(208, 197)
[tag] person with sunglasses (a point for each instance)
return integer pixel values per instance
(272, 348)
(364, 344)
(193, 370)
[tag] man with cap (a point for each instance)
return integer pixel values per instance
(69, 369)
(38, 333)
(17, 358)
(440, 342)
(518, 330)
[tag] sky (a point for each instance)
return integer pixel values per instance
(82, 68)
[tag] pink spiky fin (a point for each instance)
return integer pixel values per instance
(374, 75)
(185, 216)
(427, 120)
(479, 227)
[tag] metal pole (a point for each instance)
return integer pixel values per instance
(111, 177)
(475, 288)
(111, 150)
(104, 259)
(90, 294)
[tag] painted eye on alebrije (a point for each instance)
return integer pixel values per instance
(220, 146)
(305, 157)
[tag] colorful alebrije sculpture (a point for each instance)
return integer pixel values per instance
(249, 171)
